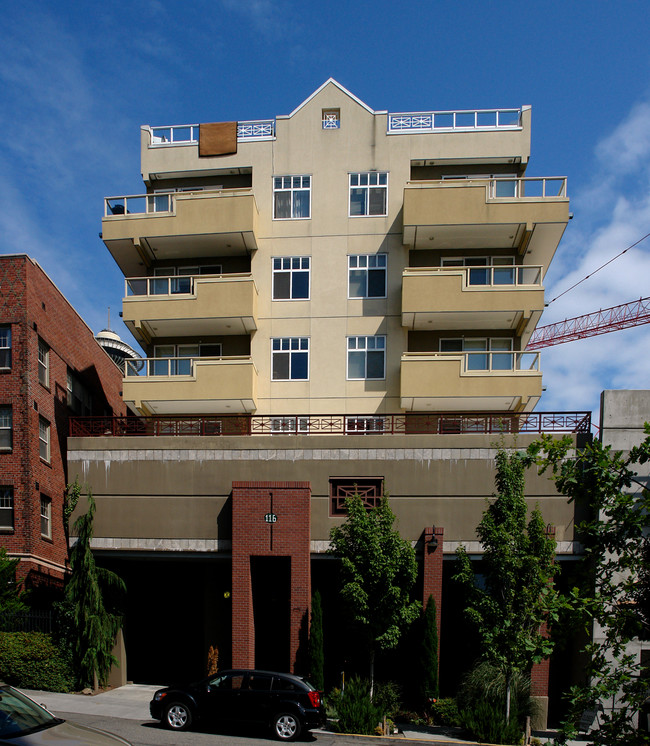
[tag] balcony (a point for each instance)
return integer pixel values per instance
(141, 229)
(188, 305)
(528, 215)
(488, 297)
(470, 381)
(191, 386)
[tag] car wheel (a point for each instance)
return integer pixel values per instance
(177, 716)
(286, 727)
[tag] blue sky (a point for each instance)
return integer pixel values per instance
(78, 79)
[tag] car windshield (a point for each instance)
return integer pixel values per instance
(19, 714)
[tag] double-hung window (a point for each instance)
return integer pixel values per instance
(367, 276)
(43, 363)
(46, 517)
(6, 429)
(290, 358)
(5, 347)
(291, 277)
(44, 439)
(366, 357)
(368, 193)
(6, 508)
(291, 197)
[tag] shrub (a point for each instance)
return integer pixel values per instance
(31, 660)
(355, 709)
(445, 712)
(487, 722)
(387, 697)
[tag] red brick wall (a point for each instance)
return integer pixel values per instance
(34, 307)
(432, 572)
(253, 537)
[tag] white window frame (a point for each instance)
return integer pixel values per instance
(290, 265)
(6, 428)
(6, 507)
(43, 363)
(294, 425)
(46, 517)
(373, 180)
(44, 438)
(367, 263)
(290, 185)
(488, 345)
(180, 353)
(5, 346)
(372, 424)
(361, 344)
(289, 345)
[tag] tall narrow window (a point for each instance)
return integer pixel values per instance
(46, 517)
(6, 429)
(368, 193)
(6, 508)
(366, 358)
(291, 197)
(44, 438)
(43, 363)
(5, 347)
(367, 276)
(290, 358)
(291, 278)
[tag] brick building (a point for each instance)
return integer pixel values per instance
(50, 367)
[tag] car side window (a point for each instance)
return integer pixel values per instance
(283, 685)
(228, 681)
(259, 683)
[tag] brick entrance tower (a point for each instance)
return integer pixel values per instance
(269, 519)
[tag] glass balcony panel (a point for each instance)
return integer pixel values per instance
(505, 188)
(503, 276)
(136, 286)
(479, 276)
(508, 118)
(486, 119)
(159, 286)
(465, 119)
(182, 134)
(477, 361)
(443, 121)
(529, 275)
(502, 360)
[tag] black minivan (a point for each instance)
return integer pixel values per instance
(286, 703)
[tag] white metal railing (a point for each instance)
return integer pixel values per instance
(493, 275)
(188, 134)
(487, 362)
(172, 284)
(158, 367)
(139, 204)
(531, 187)
(454, 121)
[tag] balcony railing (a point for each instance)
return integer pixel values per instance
(485, 361)
(498, 275)
(454, 121)
(188, 134)
(172, 285)
(446, 423)
(139, 204)
(159, 367)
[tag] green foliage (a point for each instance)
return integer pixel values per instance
(12, 596)
(445, 712)
(485, 682)
(518, 566)
(315, 655)
(355, 709)
(31, 660)
(487, 722)
(387, 697)
(94, 594)
(429, 659)
(378, 570)
(618, 573)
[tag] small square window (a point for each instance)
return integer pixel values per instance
(331, 119)
(290, 359)
(291, 277)
(366, 358)
(368, 194)
(291, 197)
(367, 276)
(6, 508)
(46, 517)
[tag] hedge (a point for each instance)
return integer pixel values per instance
(31, 660)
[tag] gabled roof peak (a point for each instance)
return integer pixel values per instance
(340, 87)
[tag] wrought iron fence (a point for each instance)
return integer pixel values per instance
(28, 621)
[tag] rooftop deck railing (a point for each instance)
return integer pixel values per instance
(444, 423)
(188, 134)
(454, 121)
(499, 275)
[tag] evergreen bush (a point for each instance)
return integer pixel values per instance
(486, 722)
(31, 660)
(315, 647)
(355, 709)
(445, 712)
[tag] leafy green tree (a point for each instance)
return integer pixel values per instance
(613, 540)
(315, 655)
(378, 571)
(12, 596)
(94, 593)
(429, 660)
(518, 568)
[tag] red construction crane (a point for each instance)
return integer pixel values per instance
(600, 322)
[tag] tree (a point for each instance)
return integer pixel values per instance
(11, 593)
(430, 652)
(316, 659)
(518, 597)
(378, 570)
(94, 593)
(607, 605)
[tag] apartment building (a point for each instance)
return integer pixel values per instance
(50, 368)
(331, 301)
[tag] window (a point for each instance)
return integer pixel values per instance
(290, 358)
(79, 399)
(291, 277)
(5, 347)
(502, 271)
(6, 429)
(176, 360)
(368, 193)
(291, 197)
(366, 424)
(331, 119)
(369, 489)
(484, 354)
(43, 363)
(46, 517)
(177, 280)
(289, 425)
(44, 438)
(6, 508)
(367, 276)
(366, 358)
